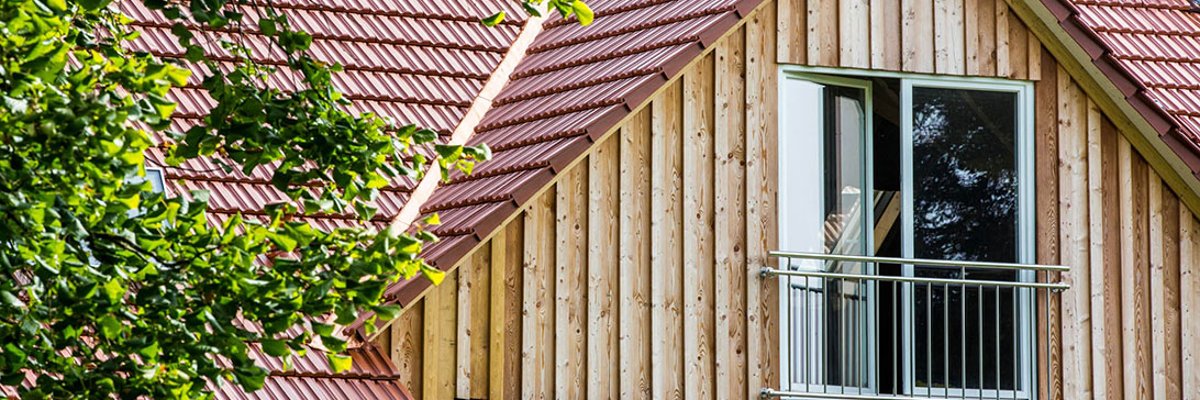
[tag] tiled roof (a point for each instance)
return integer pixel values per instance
(371, 376)
(574, 85)
(426, 63)
(413, 62)
(1150, 50)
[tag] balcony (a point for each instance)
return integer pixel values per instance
(855, 327)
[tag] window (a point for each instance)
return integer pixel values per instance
(896, 165)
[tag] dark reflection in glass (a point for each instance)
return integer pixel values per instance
(965, 208)
(964, 174)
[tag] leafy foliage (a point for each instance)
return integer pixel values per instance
(110, 289)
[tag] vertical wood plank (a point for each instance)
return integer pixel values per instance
(634, 327)
(729, 193)
(1073, 213)
(1035, 56)
(504, 379)
(823, 32)
(408, 345)
(949, 37)
(885, 34)
(603, 272)
(1164, 289)
(1046, 93)
(1018, 54)
(1106, 282)
(666, 244)
(1135, 268)
(1189, 255)
(537, 326)
(761, 175)
(917, 33)
(1171, 299)
(792, 46)
(1003, 63)
(854, 37)
(570, 288)
(698, 271)
(1097, 257)
(984, 37)
(438, 372)
(474, 282)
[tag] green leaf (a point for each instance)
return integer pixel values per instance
(494, 19)
(115, 290)
(110, 328)
(339, 362)
(277, 348)
(582, 12)
(388, 312)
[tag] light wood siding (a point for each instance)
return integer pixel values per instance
(634, 275)
(956, 37)
(1121, 331)
(630, 276)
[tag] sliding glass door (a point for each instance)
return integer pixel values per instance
(966, 198)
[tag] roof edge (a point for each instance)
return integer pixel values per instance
(1155, 136)
(474, 115)
(595, 133)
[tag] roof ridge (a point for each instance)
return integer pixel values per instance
(474, 115)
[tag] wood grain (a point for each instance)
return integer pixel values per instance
(440, 342)
(634, 327)
(730, 220)
(570, 298)
(761, 174)
(537, 326)
(1074, 236)
(698, 269)
(602, 269)
(666, 250)
(504, 378)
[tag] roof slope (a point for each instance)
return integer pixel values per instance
(1150, 50)
(574, 85)
(413, 62)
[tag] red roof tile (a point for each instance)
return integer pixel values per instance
(426, 63)
(575, 84)
(1150, 50)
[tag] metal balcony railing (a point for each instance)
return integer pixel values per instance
(856, 327)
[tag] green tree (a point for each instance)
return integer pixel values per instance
(109, 289)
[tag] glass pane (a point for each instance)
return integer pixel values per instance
(965, 208)
(822, 192)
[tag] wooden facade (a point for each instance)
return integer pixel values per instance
(634, 275)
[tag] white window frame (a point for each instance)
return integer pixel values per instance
(787, 230)
(1026, 214)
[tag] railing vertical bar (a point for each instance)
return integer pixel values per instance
(946, 341)
(895, 344)
(928, 339)
(791, 293)
(841, 296)
(1016, 342)
(997, 315)
(807, 350)
(962, 309)
(979, 330)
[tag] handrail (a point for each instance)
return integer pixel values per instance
(768, 271)
(920, 261)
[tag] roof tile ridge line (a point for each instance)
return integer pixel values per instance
(251, 30)
(612, 11)
(473, 117)
(317, 6)
(634, 28)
